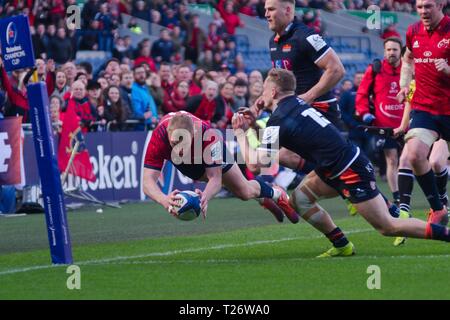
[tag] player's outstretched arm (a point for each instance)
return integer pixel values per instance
(214, 176)
(406, 75)
(152, 190)
(255, 159)
(333, 73)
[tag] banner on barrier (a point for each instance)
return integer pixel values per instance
(117, 161)
(10, 151)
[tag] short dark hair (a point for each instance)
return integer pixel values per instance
(393, 39)
(240, 83)
(283, 79)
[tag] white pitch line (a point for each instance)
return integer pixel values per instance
(242, 261)
(172, 252)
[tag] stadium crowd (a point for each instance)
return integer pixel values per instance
(187, 68)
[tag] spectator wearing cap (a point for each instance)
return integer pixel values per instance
(94, 95)
(240, 94)
(82, 77)
(144, 57)
(177, 100)
(112, 66)
(143, 105)
(195, 40)
(203, 106)
(163, 48)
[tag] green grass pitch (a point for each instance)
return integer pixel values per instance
(239, 252)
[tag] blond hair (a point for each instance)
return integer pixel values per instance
(283, 79)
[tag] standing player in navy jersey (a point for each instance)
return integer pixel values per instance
(198, 152)
(298, 48)
(341, 167)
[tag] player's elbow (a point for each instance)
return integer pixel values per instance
(339, 71)
(254, 169)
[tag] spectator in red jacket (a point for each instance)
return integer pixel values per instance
(176, 101)
(390, 32)
(145, 57)
(204, 106)
(229, 15)
(79, 102)
(384, 87)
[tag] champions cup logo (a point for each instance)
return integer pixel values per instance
(11, 34)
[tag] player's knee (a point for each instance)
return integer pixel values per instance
(244, 194)
(303, 200)
(416, 157)
(388, 229)
(437, 165)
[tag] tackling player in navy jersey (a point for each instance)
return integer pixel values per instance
(298, 48)
(297, 126)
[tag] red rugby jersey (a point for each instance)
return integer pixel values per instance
(204, 150)
(433, 87)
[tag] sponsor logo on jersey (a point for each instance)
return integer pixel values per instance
(286, 48)
(282, 64)
(316, 41)
(416, 44)
(428, 53)
(273, 49)
(271, 135)
(444, 43)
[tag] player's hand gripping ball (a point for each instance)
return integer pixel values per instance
(188, 205)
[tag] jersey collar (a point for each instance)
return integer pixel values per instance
(286, 30)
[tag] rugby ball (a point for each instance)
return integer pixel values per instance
(188, 207)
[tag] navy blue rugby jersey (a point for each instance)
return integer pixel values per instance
(298, 49)
(302, 129)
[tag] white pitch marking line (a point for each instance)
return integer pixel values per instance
(170, 253)
(243, 261)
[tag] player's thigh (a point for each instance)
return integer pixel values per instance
(439, 155)
(375, 212)
(234, 180)
(316, 185)
(289, 159)
(422, 134)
